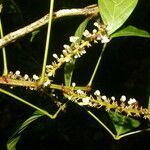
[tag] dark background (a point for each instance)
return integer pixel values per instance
(125, 70)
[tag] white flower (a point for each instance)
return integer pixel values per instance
(50, 74)
(62, 56)
(132, 101)
(104, 97)
(96, 24)
(98, 37)
(73, 39)
(35, 77)
(66, 46)
(17, 72)
(123, 98)
(113, 98)
(79, 91)
(86, 33)
(47, 83)
(86, 100)
(94, 31)
(55, 56)
(97, 93)
(105, 39)
(64, 52)
(73, 84)
(26, 77)
(49, 66)
(67, 59)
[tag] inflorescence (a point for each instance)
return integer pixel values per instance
(76, 49)
(73, 51)
(129, 107)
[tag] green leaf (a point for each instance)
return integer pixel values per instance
(130, 31)
(123, 123)
(12, 142)
(69, 67)
(115, 12)
(34, 33)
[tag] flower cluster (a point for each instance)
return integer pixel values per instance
(35, 78)
(17, 75)
(129, 107)
(77, 47)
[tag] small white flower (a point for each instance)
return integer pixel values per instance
(80, 91)
(94, 31)
(49, 66)
(17, 72)
(47, 83)
(99, 37)
(97, 93)
(113, 98)
(62, 56)
(26, 77)
(50, 74)
(66, 46)
(104, 97)
(86, 33)
(64, 52)
(35, 77)
(105, 39)
(55, 56)
(96, 24)
(67, 59)
(73, 39)
(75, 56)
(123, 98)
(73, 84)
(86, 100)
(83, 52)
(132, 101)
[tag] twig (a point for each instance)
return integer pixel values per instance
(90, 11)
(34, 85)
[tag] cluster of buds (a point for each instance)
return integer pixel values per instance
(129, 107)
(77, 47)
(35, 78)
(17, 76)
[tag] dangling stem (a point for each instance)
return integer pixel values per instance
(47, 42)
(97, 65)
(26, 102)
(5, 69)
(101, 123)
(131, 133)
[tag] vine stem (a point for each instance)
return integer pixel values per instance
(91, 10)
(47, 42)
(97, 65)
(102, 124)
(5, 69)
(26, 102)
(130, 133)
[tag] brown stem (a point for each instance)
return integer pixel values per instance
(89, 11)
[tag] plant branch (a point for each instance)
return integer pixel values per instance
(101, 123)
(27, 103)
(97, 65)
(47, 42)
(33, 84)
(90, 11)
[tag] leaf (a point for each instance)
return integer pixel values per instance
(123, 123)
(12, 142)
(34, 33)
(115, 12)
(130, 31)
(69, 67)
